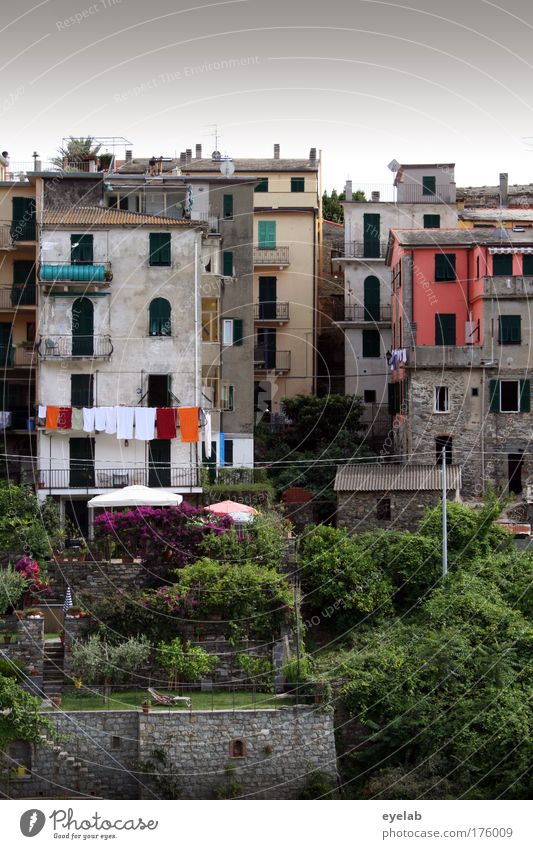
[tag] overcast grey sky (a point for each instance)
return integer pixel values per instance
(365, 81)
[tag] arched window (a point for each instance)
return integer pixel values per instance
(371, 299)
(237, 748)
(160, 317)
(82, 327)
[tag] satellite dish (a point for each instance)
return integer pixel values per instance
(394, 166)
(227, 168)
(216, 155)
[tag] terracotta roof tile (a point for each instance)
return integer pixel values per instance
(94, 215)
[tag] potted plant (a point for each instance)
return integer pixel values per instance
(146, 706)
(62, 636)
(21, 771)
(8, 636)
(56, 701)
(32, 613)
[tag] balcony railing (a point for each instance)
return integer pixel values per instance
(75, 272)
(213, 221)
(86, 476)
(73, 347)
(271, 311)
(414, 193)
(275, 360)
(12, 357)
(6, 239)
(357, 313)
(359, 250)
(18, 296)
(450, 356)
(271, 256)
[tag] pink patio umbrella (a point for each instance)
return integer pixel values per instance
(238, 512)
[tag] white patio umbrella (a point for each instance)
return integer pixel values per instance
(137, 496)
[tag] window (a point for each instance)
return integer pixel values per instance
(431, 222)
(262, 185)
(82, 327)
(227, 207)
(81, 390)
(383, 510)
(30, 331)
(116, 742)
(227, 397)
(510, 396)
(228, 452)
(297, 184)
(209, 320)
(160, 249)
(227, 263)
(510, 330)
(237, 748)
(527, 264)
(443, 443)
(81, 462)
(475, 392)
(477, 268)
(266, 235)
(445, 329)
(159, 393)
(81, 248)
(369, 396)
(441, 399)
(371, 299)
(227, 331)
(444, 267)
(160, 324)
(159, 462)
(371, 343)
(502, 265)
(23, 272)
(211, 385)
(429, 185)
(394, 397)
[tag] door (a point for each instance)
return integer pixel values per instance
(77, 514)
(159, 462)
(23, 217)
(81, 462)
(210, 463)
(266, 232)
(371, 234)
(158, 390)
(6, 347)
(515, 463)
(267, 298)
(23, 291)
(371, 299)
(267, 343)
(82, 328)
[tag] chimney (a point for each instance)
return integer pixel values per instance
(312, 154)
(188, 154)
(129, 155)
(504, 189)
(348, 190)
(198, 151)
(375, 197)
(276, 151)
(183, 158)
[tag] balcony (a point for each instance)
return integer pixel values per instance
(6, 239)
(279, 361)
(24, 230)
(74, 347)
(513, 286)
(20, 419)
(18, 296)
(359, 250)
(14, 357)
(448, 356)
(72, 272)
(272, 256)
(353, 314)
(266, 311)
(86, 476)
(212, 221)
(414, 193)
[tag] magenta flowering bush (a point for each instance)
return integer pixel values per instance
(38, 582)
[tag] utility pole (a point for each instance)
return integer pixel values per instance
(444, 516)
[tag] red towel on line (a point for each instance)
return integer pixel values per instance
(64, 421)
(189, 424)
(166, 422)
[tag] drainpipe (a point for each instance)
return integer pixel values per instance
(196, 329)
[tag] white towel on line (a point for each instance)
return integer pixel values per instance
(99, 418)
(41, 412)
(145, 423)
(88, 419)
(125, 422)
(110, 419)
(207, 435)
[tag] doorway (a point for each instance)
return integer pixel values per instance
(515, 463)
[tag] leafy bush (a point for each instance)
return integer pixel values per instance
(97, 661)
(12, 669)
(12, 587)
(319, 785)
(262, 541)
(184, 662)
(24, 721)
(26, 525)
(258, 670)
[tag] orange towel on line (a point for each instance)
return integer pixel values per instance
(188, 424)
(52, 416)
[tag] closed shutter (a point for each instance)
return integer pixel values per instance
(159, 462)
(394, 398)
(525, 396)
(371, 299)
(371, 234)
(238, 331)
(510, 330)
(494, 396)
(262, 185)
(371, 343)
(81, 390)
(81, 462)
(160, 321)
(23, 219)
(445, 329)
(160, 249)
(445, 267)
(527, 267)
(429, 185)
(297, 184)
(82, 327)
(431, 222)
(227, 206)
(227, 263)
(502, 265)
(266, 235)
(81, 248)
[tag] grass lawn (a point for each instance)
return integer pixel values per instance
(133, 699)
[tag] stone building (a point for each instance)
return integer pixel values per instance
(389, 495)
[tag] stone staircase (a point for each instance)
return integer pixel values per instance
(53, 661)
(76, 776)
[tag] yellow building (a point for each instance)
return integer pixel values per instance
(286, 253)
(17, 323)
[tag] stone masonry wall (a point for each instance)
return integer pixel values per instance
(356, 511)
(101, 578)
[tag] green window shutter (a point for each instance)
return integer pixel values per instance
(81, 390)
(494, 396)
(82, 327)
(405, 395)
(297, 184)
(227, 206)
(371, 343)
(510, 330)
(81, 247)
(160, 312)
(445, 329)
(394, 398)
(262, 185)
(238, 331)
(266, 235)
(431, 222)
(502, 265)
(371, 234)
(527, 265)
(227, 263)
(23, 272)
(429, 185)
(160, 249)
(23, 219)
(371, 298)
(525, 396)
(445, 267)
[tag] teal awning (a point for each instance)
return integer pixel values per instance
(82, 273)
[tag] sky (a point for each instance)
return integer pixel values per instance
(364, 81)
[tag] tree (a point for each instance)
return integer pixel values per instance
(185, 662)
(26, 525)
(75, 151)
(316, 422)
(332, 209)
(100, 662)
(20, 714)
(12, 587)
(262, 541)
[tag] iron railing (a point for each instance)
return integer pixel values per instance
(18, 296)
(271, 256)
(13, 357)
(75, 272)
(71, 347)
(265, 360)
(368, 249)
(271, 311)
(84, 475)
(6, 239)
(353, 312)
(414, 193)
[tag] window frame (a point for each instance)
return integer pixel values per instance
(300, 182)
(448, 266)
(158, 256)
(427, 181)
(365, 334)
(262, 185)
(227, 397)
(436, 409)
(431, 226)
(227, 338)
(517, 322)
(227, 207)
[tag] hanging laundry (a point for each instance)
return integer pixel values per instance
(88, 419)
(99, 418)
(189, 424)
(64, 421)
(110, 419)
(125, 422)
(41, 411)
(145, 423)
(207, 435)
(52, 415)
(77, 418)
(166, 422)
(5, 419)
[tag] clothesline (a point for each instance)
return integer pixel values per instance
(142, 423)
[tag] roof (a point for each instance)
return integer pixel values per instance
(393, 477)
(461, 237)
(91, 215)
(401, 170)
(253, 165)
(492, 214)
